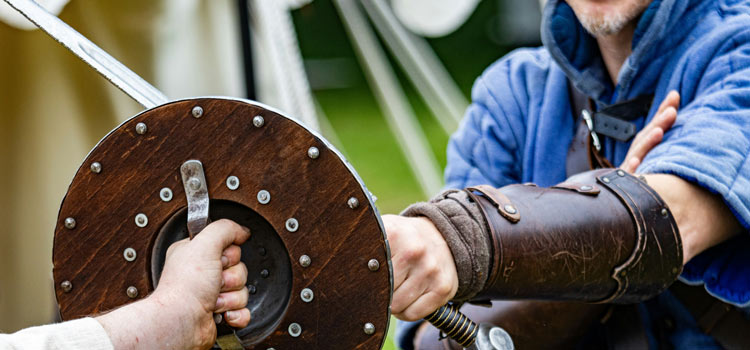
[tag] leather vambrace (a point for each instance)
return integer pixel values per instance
(601, 236)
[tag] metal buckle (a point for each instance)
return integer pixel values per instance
(590, 124)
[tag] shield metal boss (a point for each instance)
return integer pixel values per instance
(319, 272)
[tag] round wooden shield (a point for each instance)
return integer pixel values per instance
(318, 262)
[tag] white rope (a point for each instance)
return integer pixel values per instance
(390, 96)
(280, 49)
(421, 65)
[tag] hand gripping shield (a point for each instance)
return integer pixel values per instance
(319, 270)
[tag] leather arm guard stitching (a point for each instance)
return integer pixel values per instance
(602, 236)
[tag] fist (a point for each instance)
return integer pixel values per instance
(424, 272)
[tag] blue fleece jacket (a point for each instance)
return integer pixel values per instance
(519, 125)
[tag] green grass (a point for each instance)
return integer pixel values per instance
(389, 345)
(370, 147)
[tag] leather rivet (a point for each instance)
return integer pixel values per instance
(621, 173)
(510, 209)
(664, 212)
(586, 188)
(605, 179)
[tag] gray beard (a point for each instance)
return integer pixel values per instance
(608, 24)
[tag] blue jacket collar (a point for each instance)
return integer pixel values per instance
(661, 28)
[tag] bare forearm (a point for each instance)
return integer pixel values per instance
(127, 326)
(702, 217)
(148, 324)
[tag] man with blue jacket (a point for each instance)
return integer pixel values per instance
(535, 222)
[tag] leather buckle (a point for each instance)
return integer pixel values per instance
(586, 115)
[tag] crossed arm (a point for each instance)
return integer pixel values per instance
(424, 270)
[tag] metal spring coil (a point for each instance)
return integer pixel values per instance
(454, 324)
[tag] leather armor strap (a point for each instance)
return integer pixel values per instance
(603, 236)
(578, 159)
(726, 323)
(582, 156)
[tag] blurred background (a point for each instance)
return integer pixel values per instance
(386, 81)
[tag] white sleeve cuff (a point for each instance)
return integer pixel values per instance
(86, 333)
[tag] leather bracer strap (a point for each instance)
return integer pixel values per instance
(601, 236)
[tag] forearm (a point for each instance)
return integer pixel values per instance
(596, 239)
(139, 332)
(147, 324)
(600, 236)
(703, 219)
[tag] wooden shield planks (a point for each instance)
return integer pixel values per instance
(340, 237)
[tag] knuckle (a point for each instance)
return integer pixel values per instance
(230, 278)
(230, 300)
(410, 315)
(240, 298)
(443, 289)
(242, 273)
(393, 232)
(430, 268)
(414, 253)
(396, 309)
(225, 224)
(243, 318)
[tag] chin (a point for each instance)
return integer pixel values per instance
(605, 17)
